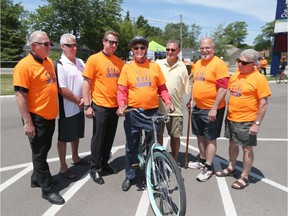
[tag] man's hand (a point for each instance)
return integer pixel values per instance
(170, 107)
(29, 129)
(120, 111)
(89, 113)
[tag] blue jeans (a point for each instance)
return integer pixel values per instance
(133, 126)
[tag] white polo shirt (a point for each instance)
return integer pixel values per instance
(70, 76)
(177, 84)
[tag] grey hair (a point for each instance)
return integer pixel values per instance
(34, 36)
(64, 37)
(175, 41)
(209, 39)
(251, 55)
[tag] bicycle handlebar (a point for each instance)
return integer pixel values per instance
(165, 118)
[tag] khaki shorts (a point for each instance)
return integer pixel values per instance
(238, 132)
(174, 126)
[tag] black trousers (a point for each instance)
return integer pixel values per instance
(40, 146)
(105, 124)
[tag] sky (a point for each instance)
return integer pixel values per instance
(208, 14)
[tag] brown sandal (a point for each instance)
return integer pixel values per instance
(225, 172)
(238, 185)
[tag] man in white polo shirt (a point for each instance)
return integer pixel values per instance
(176, 74)
(71, 123)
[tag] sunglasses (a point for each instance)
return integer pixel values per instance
(243, 62)
(70, 45)
(139, 47)
(172, 50)
(112, 42)
(48, 43)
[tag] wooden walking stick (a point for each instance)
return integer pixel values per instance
(187, 139)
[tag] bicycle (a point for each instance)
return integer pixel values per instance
(281, 77)
(164, 182)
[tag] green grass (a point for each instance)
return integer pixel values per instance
(6, 84)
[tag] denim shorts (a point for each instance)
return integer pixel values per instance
(201, 126)
(238, 132)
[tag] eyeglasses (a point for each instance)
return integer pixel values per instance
(243, 62)
(112, 42)
(47, 43)
(139, 47)
(70, 45)
(206, 48)
(172, 50)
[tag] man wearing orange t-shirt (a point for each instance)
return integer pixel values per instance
(210, 82)
(101, 74)
(35, 84)
(248, 101)
(139, 85)
(263, 63)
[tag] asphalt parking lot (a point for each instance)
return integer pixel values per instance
(265, 196)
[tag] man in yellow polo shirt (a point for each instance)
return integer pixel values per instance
(176, 74)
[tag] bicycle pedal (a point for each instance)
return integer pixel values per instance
(135, 166)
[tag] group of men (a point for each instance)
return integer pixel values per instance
(105, 86)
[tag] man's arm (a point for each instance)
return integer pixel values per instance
(67, 94)
(87, 98)
(219, 97)
(22, 101)
(262, 107)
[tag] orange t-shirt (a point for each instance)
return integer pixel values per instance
(142, 81)
(263, 63)
(41, 83)
(245, 92)
(103, 71)
(204, 81)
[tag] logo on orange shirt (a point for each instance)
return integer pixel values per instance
(50, 77)
(236, 91)
(112, 72)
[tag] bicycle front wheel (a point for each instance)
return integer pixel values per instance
(165, 188)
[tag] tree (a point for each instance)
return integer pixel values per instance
(236, 33)
(221, 42)
(264, 40)
(86, 19)
(193, 36)
(13, 31)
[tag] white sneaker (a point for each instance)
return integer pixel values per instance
(195, 165)
(204, 175)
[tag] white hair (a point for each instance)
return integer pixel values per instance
(34, 36)
(64, 37)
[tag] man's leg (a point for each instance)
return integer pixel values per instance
(233, 154)
(202, 147)
(61, 146)
(248, 158)
(211, 147)
(74, 148)
(175, 145)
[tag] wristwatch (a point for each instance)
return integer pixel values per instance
(86, 107)
(257, 123)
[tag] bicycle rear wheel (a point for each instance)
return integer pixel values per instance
(167, 195)
(278, 78)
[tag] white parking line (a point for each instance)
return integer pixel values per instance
(224, 191)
